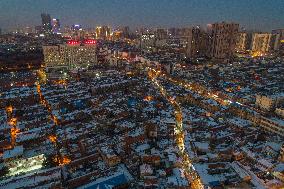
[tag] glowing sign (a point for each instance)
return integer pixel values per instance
(90, 42)
(282, 41)
(73, 42)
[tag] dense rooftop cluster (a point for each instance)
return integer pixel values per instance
(144, 120)
(226, 149)
(126, 134)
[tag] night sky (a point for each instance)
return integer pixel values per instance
(252, 14)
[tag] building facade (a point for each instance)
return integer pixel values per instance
(223, 37)
(269, 103)
(260, 43)
(161, 34)
(271, 125)
(197, 41)
(103, 32)
(72, 55)
(126, 32)
(241, 42)
(278, 40)
(147, 40)
(55, 25)
(46, 23)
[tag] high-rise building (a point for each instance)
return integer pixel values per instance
(117, 34)
(197, 40)
(223, 38)
(274, 42)
(126, 32)
(172, 32)
(103, 32)
(249, 39)
(76, 27)
(241, 42)
(77, 32)
(23, 30)
(69, 56)
(46, 23)
(55, 25)
(183, 32)
(161, 34)
(147, 40)
(277, 40)
(260, 43)
(27, 30)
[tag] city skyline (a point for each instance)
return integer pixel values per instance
(253, 15)
(152, 94)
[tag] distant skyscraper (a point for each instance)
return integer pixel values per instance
(278, 40)
(126, 32)
(172, 32)
(275, 41)
(55, 25)
(46, 23)
(260, 43)
(223, 38)
(76, 27)
(27, 30)
(103, 32)
(0, 31)
(147, 40)
(77, 32)
(161, 34)
(197, 40)
(241, 42)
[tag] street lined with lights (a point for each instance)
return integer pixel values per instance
(208, 93)
(12, 122)
(191, 174)
(59, 159)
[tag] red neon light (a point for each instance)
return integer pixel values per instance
(73, 42)
(87, 42)
(90, 42)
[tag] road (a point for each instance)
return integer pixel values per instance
(206, 93)
(12, 122)
(59, 159)
(191, 174)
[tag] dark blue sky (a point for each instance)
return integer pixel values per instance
(252, 14)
